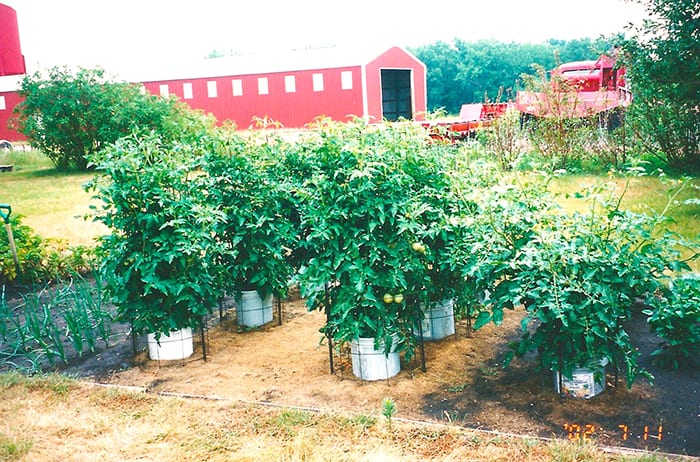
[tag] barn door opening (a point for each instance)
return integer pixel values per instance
(396, 94)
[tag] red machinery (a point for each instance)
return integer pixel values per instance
(579, 89)
(472, 118)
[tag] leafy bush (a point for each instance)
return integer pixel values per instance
(579, 277)
(372, 212)
(663, 65)
(675, 316)
(505, 217)
(41, 260)
(71, 115)
(260, 226)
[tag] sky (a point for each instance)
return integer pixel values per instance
(122, 35)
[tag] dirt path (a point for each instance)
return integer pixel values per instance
(464, 383)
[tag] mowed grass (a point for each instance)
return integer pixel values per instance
(52, 203)
(54, 418)
(645, 194)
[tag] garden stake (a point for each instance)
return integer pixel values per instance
(134, 347)
(279, 311)
(328, 334)
(422, 340)
(5, 211)
(422, 349)
(204, 343)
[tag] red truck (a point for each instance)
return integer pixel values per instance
(579, 89)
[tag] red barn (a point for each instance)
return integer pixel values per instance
(292, 88)
(297, 87)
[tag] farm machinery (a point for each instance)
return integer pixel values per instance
(579, 89)
(576, 89)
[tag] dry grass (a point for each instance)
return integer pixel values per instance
(51, 418)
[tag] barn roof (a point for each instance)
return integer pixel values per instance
(258, 63)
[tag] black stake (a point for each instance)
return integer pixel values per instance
(279, 311)
(204, 343)
(328, 334)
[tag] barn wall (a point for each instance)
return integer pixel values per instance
(8, 101)
(291, 109)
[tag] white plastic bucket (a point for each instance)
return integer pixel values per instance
(371, 364)
(176, 345)
(584, 382)
(439, 321)
(253, 311)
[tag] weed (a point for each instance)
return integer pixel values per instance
(388, 409)
(458, 388)
(11, 449)
(289, 421)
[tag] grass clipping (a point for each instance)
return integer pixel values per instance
(53, 418)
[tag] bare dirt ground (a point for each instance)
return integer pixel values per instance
(464, 382)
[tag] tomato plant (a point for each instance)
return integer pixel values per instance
(579, 276)
(260, 228)
(675, 316)
(373, 200)
(159, 260)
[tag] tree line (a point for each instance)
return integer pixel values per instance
(462, 72)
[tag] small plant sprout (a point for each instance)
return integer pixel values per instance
(388, 409)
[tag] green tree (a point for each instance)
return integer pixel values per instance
(664, 71)
(70, 115)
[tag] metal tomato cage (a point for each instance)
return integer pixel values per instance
(202, 332)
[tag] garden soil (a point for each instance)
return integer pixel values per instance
(464, 382)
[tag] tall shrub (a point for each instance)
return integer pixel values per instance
(663, 64)
(72, 114)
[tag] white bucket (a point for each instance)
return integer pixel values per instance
(439, 321)
(371, 364)
(253, 311)
(583, 383)
(176, 345)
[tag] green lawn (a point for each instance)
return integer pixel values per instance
(52, 203)
(645, 195)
